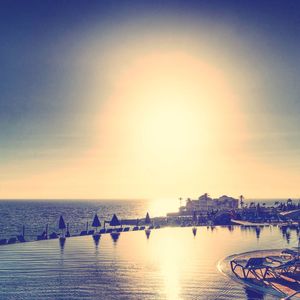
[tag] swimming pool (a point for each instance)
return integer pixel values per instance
(170, 264)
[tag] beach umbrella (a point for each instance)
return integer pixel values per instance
(96, 222)
(62, 224)
(147, 219)
(115, 221)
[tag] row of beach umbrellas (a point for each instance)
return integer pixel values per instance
(96, 222)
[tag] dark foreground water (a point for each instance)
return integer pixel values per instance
(171, 264)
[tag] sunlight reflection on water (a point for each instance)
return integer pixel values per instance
(171, 264)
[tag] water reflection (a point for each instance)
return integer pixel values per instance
(96, 239)
(257, 231)
(148, 232)
(62, 242)
(230, 228)
(115, 236)
(171, 256)
(253, 295)
(194, 231)
(288, 236)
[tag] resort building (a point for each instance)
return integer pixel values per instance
(205, 204)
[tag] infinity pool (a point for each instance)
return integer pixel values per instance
(171, 264)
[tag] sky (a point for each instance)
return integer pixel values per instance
(149, 99)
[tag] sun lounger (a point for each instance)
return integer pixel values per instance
(41, 237)
(126, 229)
(84, 232)
(90, 232)
(289, 253)
(285, 256)
(3, 242)
(53, 235)
(102, 231)
(12, 240)
(254, 265)
(260, 267)
(21, 238)
(135, 228)
(290, 266)
(279, 259)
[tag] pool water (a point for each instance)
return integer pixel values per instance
(171, 264)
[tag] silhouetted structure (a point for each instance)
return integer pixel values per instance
(115, 221)
(96, 222)
(62, 227)
(147, 219)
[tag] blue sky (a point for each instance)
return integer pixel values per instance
(60, 61)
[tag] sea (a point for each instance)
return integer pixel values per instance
(35, 215)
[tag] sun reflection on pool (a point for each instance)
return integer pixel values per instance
(171, 259)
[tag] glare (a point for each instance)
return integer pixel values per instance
(168, 110)
(162, 206)
(171, 255)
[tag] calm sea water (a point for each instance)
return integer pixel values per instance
(36, 214)
(170, 264)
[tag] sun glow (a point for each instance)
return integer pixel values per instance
(169, 107)
(162, 123)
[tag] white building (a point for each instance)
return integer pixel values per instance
(206, 203)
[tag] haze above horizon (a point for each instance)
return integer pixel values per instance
(149, 99)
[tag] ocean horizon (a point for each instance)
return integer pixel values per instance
(35, 214)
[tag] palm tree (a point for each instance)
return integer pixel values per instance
(242, 201)
(180, 199)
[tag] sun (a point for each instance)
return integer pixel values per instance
(170, 103)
